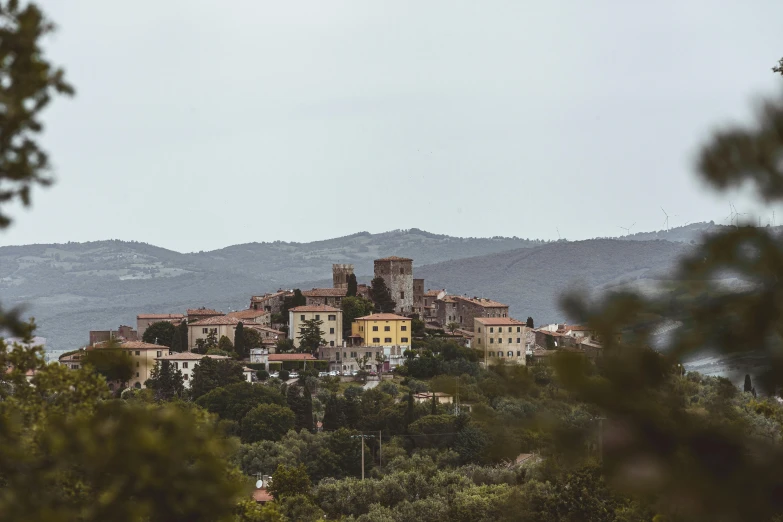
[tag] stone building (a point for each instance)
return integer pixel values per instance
(463, 310)
(199, 314)
(340, 273)
(332, 319)
(397, 273)
(418, 297)
(499, 338)
(143, 321)
(270, 302)
(429, 304)
(325, 296)
(123, 333)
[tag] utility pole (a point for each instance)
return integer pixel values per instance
(362, 439)
(380, 449)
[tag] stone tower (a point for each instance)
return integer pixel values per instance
(397, 273)
(340, 275)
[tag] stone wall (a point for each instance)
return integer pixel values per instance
(397, 273)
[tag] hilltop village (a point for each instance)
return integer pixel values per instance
(349, 330)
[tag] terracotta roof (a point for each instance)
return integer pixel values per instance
(394, 258)
(481, 301)
(553, 334)
(262, 495)
(216, 320)
(188, 356)
(160, 316)
(274, 357)
(448, 299)
(499, 321)
(248, 314)
(383, 317)
(326, 292)
(203, 311)
(315, 308)
(576, 328)
(262, 298)
(132, 345)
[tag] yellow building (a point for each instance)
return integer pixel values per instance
(332, 318)
(500, 339)
(390, 331)
(219, 325)
(143, 358)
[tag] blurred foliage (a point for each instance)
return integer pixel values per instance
(111, 361)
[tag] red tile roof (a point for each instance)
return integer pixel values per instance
(216, 320)
(274, 357)
(132, 345)
(383, 317)
(481, 301)
(160, 316)
(248, 314)
(315, 308)
(394, 258)
(261, 495)
(325, 292)
(203, 311)
(499, 321)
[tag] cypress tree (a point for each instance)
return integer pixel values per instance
(239, 341)
(352, 286)
(748, 384)
(381, 296)
(529, 323)
(307, 413)
(434, 405)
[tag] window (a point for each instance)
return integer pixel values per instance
(345, 354)
(138, 352)
(317, 317)
(518, 353)
(337, 355)
(491, 341)
(518, 340)
(479, 330)
(185, 377)
(387, 339)
(479, 340)
(402, 270)
(353, 354)
(403, 328)
(500, 340)
(491, 354)
(184, 365)
(301, 317)
(331, 330)
(403, 339)
(518, 329)
(510, 340)
(387, 328)
(509, 329)
(376, 339)
(159, 353)
(491, 330)
(137, 364)
(511, 354)
(205, 330)
(368, 354)
(331, 343)
(402, 295)
(176, 366)
(137, 375)
(374, 328)
(332, 317)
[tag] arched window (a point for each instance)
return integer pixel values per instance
(137, 385)
(511, 354)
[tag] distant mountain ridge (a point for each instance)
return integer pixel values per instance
(74, 287)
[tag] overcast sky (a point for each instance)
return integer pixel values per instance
(200, 124)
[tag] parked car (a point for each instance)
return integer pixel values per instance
(323, 374)
(373, 373)
(334, 373)
(276, 375)
(293, 375)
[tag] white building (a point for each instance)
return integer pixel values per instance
(187, 361)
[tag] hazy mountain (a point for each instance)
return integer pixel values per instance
(72, 288)
(531, 280)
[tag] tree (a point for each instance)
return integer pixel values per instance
(779, 67)
(334, 417)
(290, 481)
(267, 422)
(381, 296)
(310, 335)
(210, 373)
(353, 308)
(252, 338)
(161, 333)
(180, 341)
(204, 345)
(233, 401)
(452, 327)
(114, 364)
(225, 344)
(166, 381)
(284, 345)
(529, 323)
(291, 301)
(240, 344)
(418, 328)
(352, 286)
(748, 384)
(307, 414)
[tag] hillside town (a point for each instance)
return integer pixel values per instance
(278, 329)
